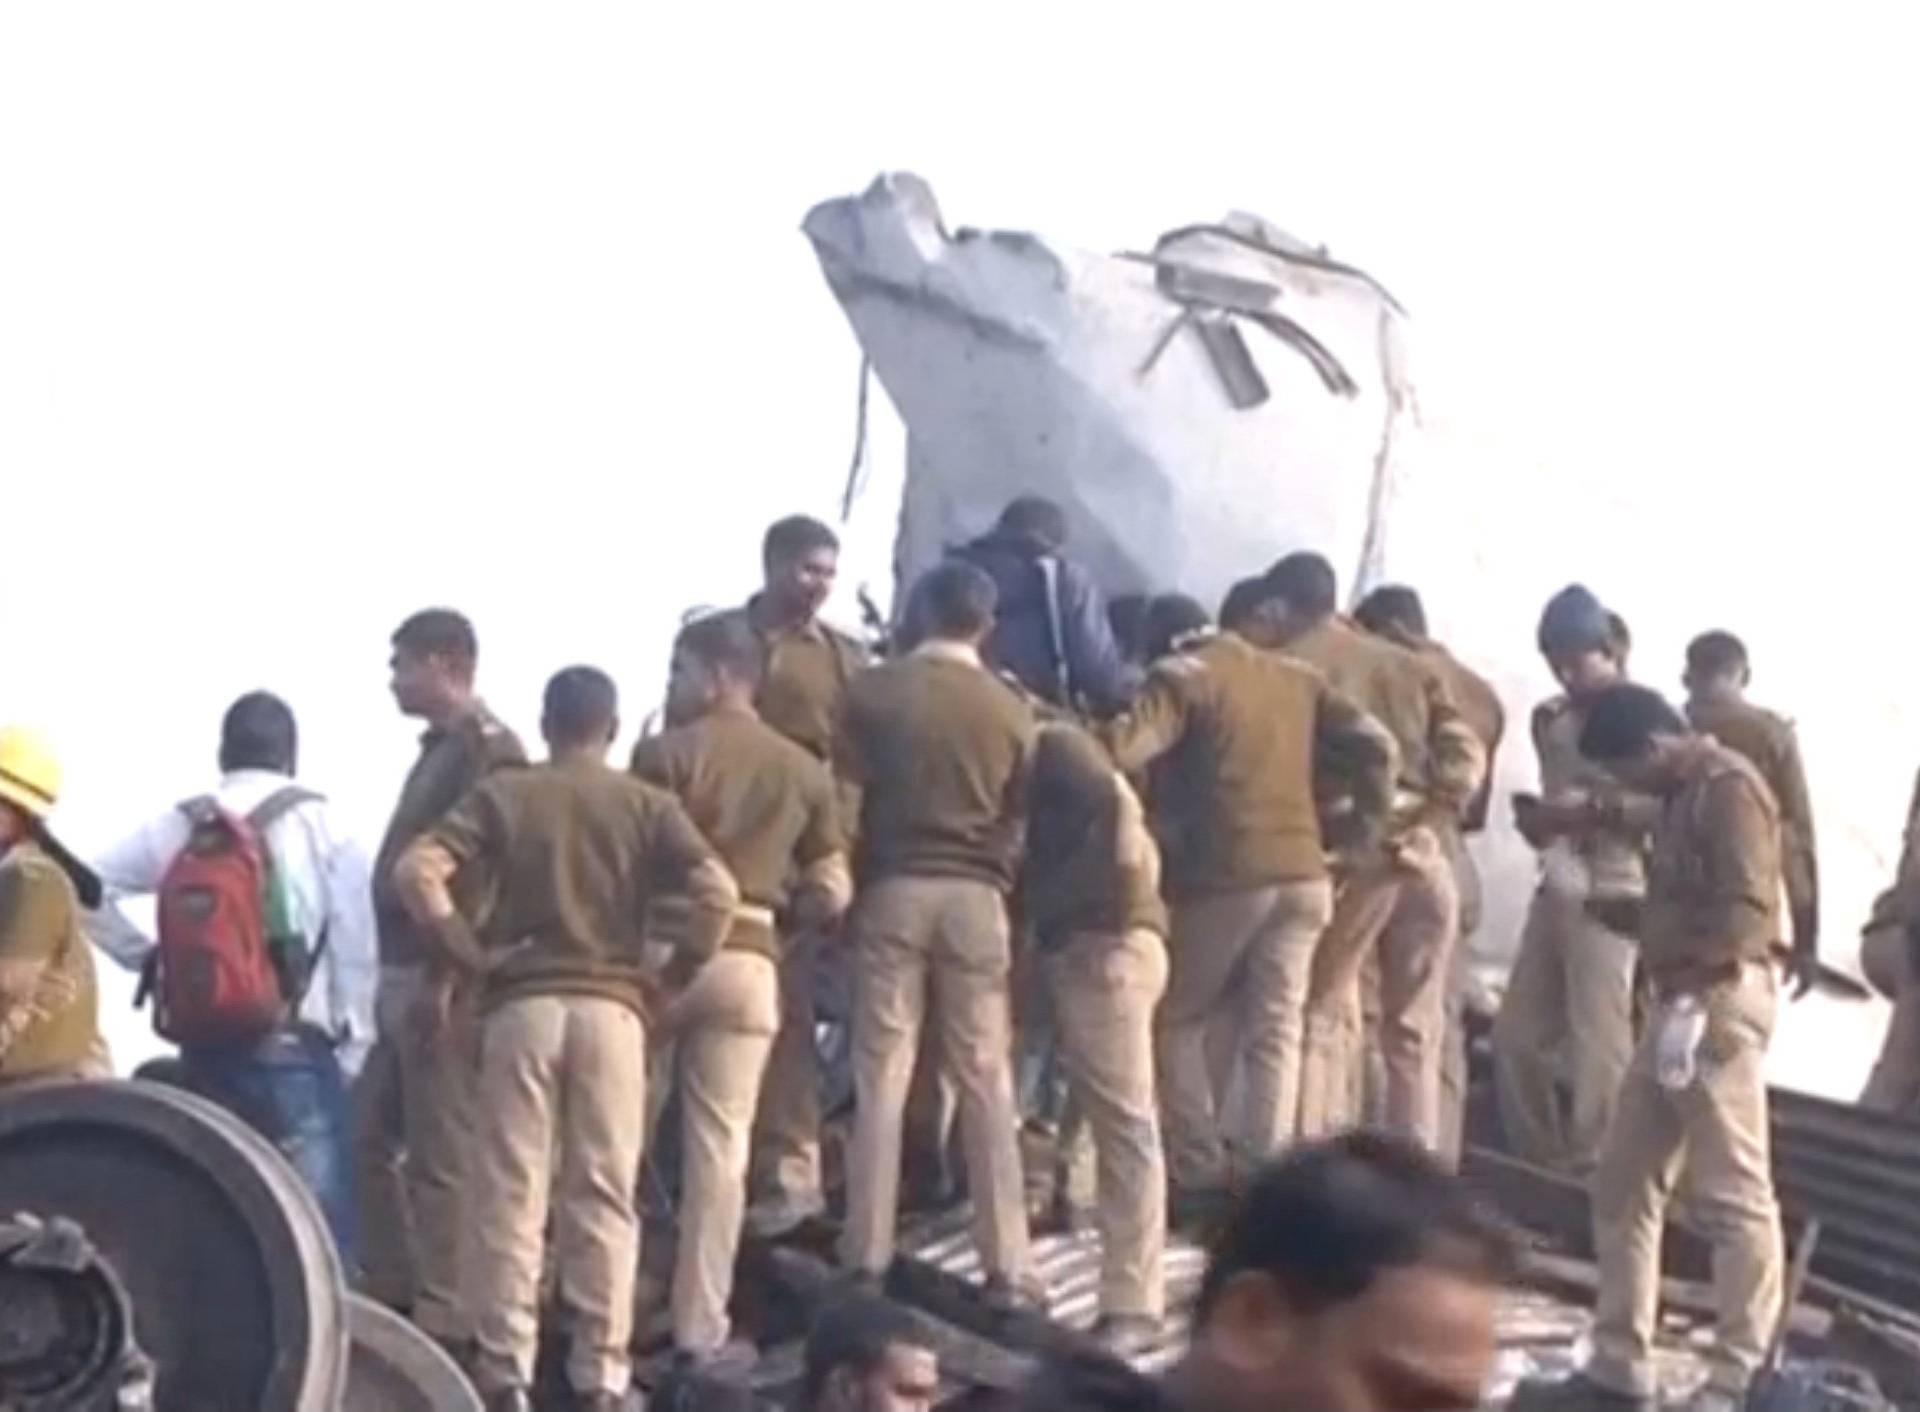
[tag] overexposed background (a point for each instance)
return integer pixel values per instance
(313, 315)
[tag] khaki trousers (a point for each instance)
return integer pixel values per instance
(1248, 954)
(563, 1084)
(1894, 1085)
(934, 949)
(1717, 1128)
(1104, 989)
(723, 1028)
(1565, 1027)
(1401, 913)
(413, 1129)
(786, 1125)
(1453, 1061)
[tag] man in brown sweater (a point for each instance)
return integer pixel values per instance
(767, 807)
(413, 1101)
(577, 852)
(1091, 892)
(1398, 896)
(808, 667)
(1696, 1090)
(940, 749)
(1239, 732)
(1396, 613)
(1717, 675)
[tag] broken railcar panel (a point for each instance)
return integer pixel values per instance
(1024, 367)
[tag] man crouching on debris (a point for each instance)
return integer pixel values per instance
(1695, 1090)
(575, 851)
(1354, 1276)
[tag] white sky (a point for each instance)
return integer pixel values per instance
(311, 315)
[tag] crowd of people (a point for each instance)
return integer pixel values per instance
(1193, 890)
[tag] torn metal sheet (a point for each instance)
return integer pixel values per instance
(1198, 410)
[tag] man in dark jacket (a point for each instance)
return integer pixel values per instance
(1053, 633)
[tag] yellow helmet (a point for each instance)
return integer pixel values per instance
(29, 772)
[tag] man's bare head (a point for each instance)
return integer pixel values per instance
(1354, 1276)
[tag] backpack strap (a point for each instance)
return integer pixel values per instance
(278, 805)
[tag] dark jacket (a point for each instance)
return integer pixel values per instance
(1063, 651)
(1090, 1382)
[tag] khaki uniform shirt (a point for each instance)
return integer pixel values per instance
(1772, 745)
(804, 684)
(1091, 865)
(576, 852)
(940, 749)
(1479, 705)
(49, 1005)
(1442, 761)
(1714, 881)
(452, 761)
(1609, 858)
(765, 804)
(1238, 732)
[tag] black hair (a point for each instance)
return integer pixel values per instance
(1622, 722)
(443, 633)
(954, 599)
(1170, 617)
(1242, 601)
(1393, 607)
(1037, 522)
(725, 641)
(581, 705)
(1325, 1220)
(686, 1388)
(793, 537)
(1306, 583)
(1717, 654)
(258, 733)
(854, 1332)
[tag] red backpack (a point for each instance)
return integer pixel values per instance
(216, 976)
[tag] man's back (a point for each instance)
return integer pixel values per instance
(1439, 755)
(324, 877)
(1238, 784)
(940, 748)
(1052, 631)
(574, 852)
(757, 797)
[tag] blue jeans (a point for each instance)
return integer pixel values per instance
(289, 1089)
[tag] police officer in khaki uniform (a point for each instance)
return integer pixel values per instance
(576, 852)
(1890, 955)
(767, 807)
(1696, 1092)
(1717, 675)
(1238, 732)
(1091, 892)
(1564, 1035)
(1396, 613)
(809, 665)
(413, 1101)
(941, 750)
(1399, 897)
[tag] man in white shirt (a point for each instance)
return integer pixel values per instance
(291, 1086)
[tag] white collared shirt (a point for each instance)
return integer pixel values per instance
(326, 879)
